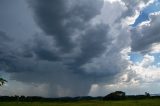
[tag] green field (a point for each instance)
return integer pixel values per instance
(147, 102)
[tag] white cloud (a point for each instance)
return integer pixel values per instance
(112, 1)
(155, 48)
(140, 77)
(110, 13)
(137, 79)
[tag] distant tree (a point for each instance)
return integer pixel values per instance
(2, 81)
(118, 95)
(147, 94)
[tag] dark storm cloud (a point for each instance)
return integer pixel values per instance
(3, 37)
(71, 53)
(61, 18)
(71, 41)
(45, 54)
(5, 52)
(143, 37)
(93, 43)
(44, 50)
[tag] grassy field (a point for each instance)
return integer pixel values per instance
(147, 102)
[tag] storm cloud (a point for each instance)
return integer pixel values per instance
(71, 52)
(75, 44)
(62, 19)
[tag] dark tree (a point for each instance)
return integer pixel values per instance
(118, 95)
(147, 94)
(2, 81)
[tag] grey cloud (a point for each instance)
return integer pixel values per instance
(45, 50)
(57, 76)
(92, 44)
(4, 37)
(4, 48)
(4, 40)
(45, 54)
(143, 37)
(109, 65)
(72, 53)
(61, 18)
(43, 60)
(132, 6)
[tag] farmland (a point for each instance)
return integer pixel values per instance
(143, 102)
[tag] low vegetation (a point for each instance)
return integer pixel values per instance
(117, 98)
(145, 102)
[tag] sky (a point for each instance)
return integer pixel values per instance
(58, 48)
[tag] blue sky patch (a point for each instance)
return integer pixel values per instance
(136, 57)
(157, 59)
(144, 14)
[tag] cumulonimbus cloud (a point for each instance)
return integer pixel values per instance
(72, 52)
